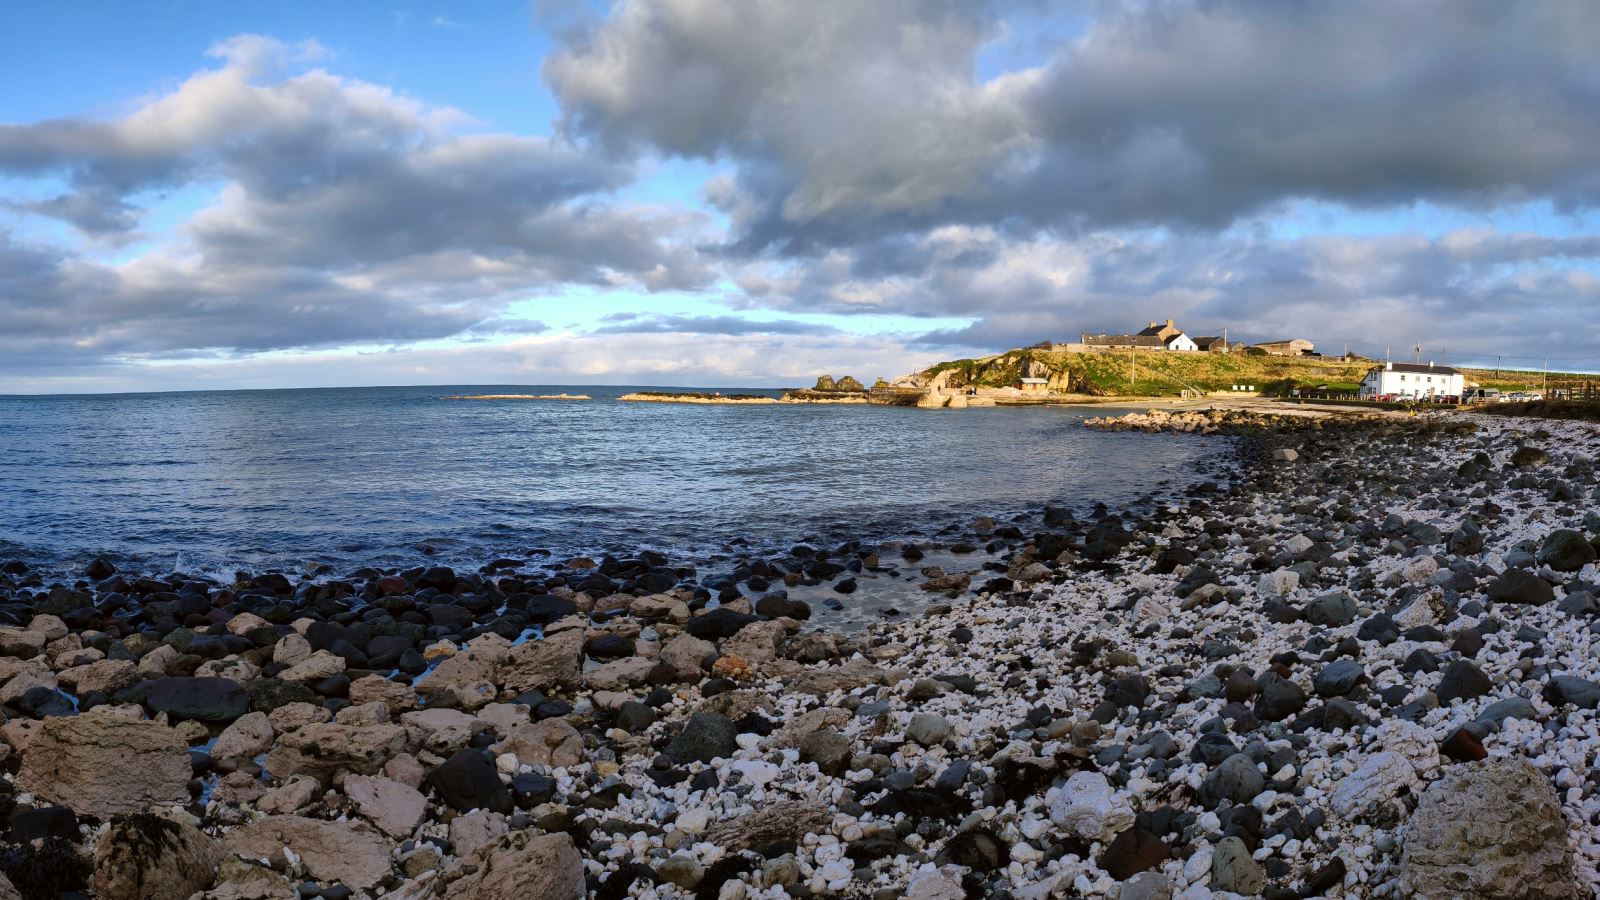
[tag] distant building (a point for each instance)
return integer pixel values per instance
(1158, 336)
(1412, 381)
(1034, 385)
(1213, 344)
(1294, 347)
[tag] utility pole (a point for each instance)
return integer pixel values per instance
(1497, 366)
(1419, 353)
(1545, 382)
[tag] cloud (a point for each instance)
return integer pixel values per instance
(1477, 291)
(719, 325)
(847, 122)
(690, 360)
(346, 213)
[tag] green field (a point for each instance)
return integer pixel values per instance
(1158, 374)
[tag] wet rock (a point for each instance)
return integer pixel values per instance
(1493, 829)
(554, 663)
(217, 700)
(101, 765)
(249, 736)
(149, 857)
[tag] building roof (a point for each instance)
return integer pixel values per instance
(1121, 340)
(1207, 341)
(1035, 381)
(1420, 369)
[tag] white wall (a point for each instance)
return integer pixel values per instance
(1412, 384)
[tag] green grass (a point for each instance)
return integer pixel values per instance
(1156, 373)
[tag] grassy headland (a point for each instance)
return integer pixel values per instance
(1157, 374)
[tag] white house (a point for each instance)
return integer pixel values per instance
(1181, 342)
(1412, 381)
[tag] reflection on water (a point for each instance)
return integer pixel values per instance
(219, 480)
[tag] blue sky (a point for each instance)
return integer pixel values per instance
(681, 191)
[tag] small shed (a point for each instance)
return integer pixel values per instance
(1034, 385)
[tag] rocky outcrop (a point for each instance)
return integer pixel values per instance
(1490, 830)
(101, 765)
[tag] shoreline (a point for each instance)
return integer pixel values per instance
(927, 756)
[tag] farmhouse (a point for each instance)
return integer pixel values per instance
(1156, 337)
(1212, 344)
(1412, 381)
(1294, 347)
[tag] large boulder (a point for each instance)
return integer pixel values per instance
(206, 699)
(522, 864)
(1520, 586)
(1490, 830)
(101, 766)
(352, 853)
(553, 663)
(149, 857)
(395, 808)
(705, 737)
(325, 748)
(468, 781)
(553, 743)
(1566, 550)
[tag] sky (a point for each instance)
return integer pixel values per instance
(693, 192)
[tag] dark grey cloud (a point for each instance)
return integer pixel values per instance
(845, 122)
(348, 214)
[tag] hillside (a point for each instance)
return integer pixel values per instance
(1146, 373)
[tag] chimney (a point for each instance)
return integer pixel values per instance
(1388, 367)
(1169, 324)
(1430, 365)
(1155, 324)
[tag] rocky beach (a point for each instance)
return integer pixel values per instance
(1366, 666)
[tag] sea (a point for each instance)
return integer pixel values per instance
(227, 481)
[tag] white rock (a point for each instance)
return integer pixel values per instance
(1087, 807)
(1379, 778)
(1278, 583)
